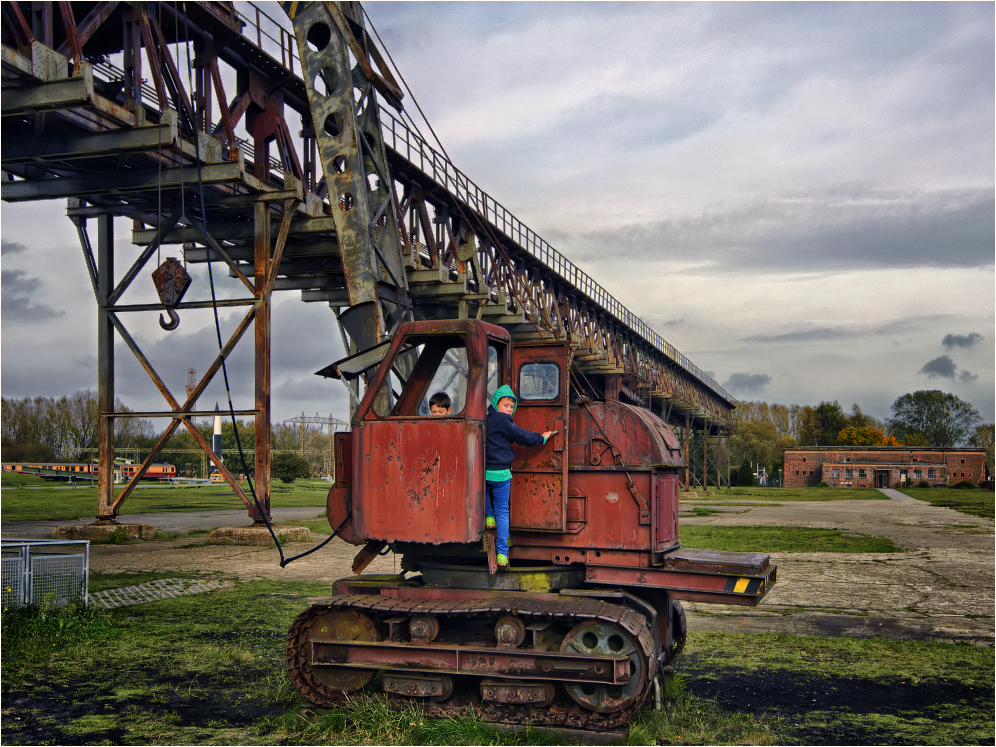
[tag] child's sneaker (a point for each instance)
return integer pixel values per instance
(490, 523)
(502, 561)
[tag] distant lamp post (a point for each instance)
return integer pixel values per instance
(780, 483)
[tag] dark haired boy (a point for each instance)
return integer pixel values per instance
(439, 404)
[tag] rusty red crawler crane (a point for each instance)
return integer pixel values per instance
(589, 606)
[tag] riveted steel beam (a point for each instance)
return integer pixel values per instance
(91, 145)
(350, 144)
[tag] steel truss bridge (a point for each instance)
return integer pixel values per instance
(101, 108)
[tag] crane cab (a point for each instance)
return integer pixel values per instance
(419, 477)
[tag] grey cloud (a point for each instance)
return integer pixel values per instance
(961, 341)
(967, 376)
(11, 247)
(747, 383)
(826, 333)
(16, 302)
(823, 334)
(940, 366)
(846, 226)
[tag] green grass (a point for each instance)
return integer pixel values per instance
(700, 511)
(971, 502)
(780, 539)
(43, 501)
(208, 669)
(929, 693)
(801, 494)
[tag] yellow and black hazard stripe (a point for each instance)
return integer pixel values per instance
(742, 585)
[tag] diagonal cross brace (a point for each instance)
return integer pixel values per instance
(179, 411)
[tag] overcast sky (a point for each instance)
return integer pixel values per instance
(799, 197)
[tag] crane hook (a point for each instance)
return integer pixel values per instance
(174, 320)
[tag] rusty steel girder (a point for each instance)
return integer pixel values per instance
(347, 127)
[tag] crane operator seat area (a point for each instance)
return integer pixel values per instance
(424, 367)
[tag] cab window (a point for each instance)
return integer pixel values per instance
(423, 367)
(539, 381)
(495, 359)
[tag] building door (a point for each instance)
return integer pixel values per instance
(881, 478)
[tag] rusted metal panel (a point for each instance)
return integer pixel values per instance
(641, 438)
(415, 477)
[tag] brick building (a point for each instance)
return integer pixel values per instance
(881, 466)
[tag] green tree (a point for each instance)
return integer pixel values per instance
(288, 467)
(858, 419)
(745, 475)
(982, 438)
(831, 420)
(806, 425)
(940, 418)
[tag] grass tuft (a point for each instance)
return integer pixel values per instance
(972, 502)
(781, 539)
(36, 630)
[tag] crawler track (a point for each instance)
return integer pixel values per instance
(563, 612)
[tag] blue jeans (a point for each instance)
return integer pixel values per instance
(496, 505)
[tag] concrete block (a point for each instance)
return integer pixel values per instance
(102, 531)
(258, 535)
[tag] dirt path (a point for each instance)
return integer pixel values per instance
(941, 587)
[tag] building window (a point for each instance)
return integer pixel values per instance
(849, 472)
(917, 474)
(932, 474)
(962, 461)
(835, 473)
(862, 472)
(804, 459)
(797, 472)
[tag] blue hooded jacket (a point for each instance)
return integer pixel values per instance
(503, 432)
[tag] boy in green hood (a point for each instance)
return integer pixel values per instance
(502, 433)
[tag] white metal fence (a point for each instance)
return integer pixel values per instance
(45, 571)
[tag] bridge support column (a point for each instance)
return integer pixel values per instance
(685, 432)
(105, 367)
(262, 455)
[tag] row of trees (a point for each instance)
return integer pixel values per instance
(49, 429)
(762, 432)
(61, 428)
